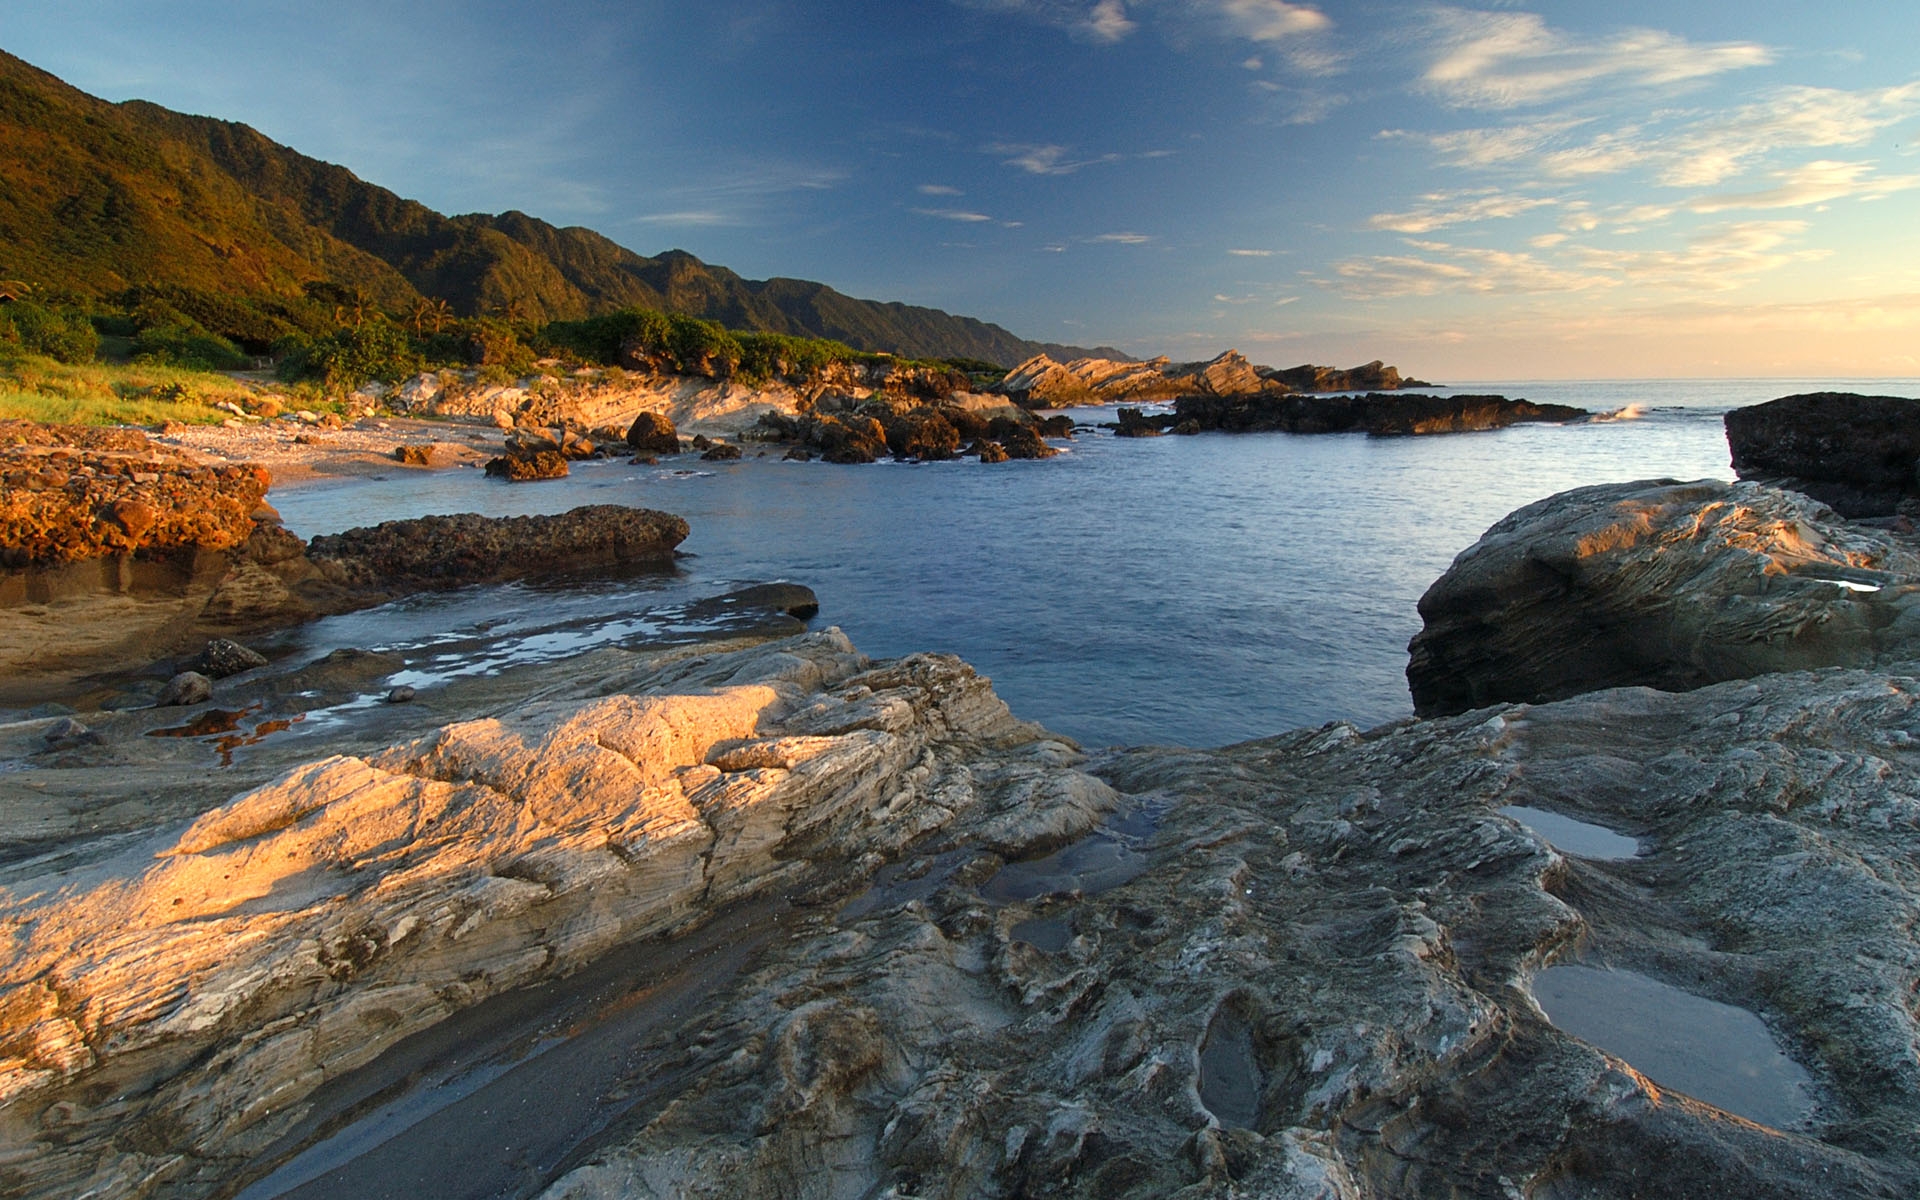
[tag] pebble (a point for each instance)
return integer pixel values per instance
(401, 695)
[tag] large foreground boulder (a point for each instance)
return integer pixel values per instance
(1670, 585)
(1860, 454)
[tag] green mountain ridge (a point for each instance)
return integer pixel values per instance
(98, 197)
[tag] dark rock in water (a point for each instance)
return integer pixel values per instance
(797, 454)
(1020, 441)
(653, 433)
(923, 434)
(1134, 423)
(1660, 584)
(850, 439)
(701, 441)
(1186, 428)
(792, 599)
(1060, 425)
(644, 460)
(988, 451)
(521, 468)
(224, 657)
(188, 687)
(1381, 414)
(1856, 453)
(413, 455)
(720, 452)
(467, 548)
(401, 695)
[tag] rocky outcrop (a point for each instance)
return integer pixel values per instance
(1663, 584)
(652, 433)
(1860, 454)
(1377, 414)
(69, 494)
(1040, 382)
(529, 466)
(844, 430)
(168, 1012)
(467, 548)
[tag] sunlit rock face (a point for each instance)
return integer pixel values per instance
(1665, 584)
(168, 1007)
(1316, 979)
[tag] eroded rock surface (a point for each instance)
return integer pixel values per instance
(169, 1006)
(1313, 982)
(467, 548)
(1670, 585)
(1042, 382)
(1377, 413)
(1860, 454)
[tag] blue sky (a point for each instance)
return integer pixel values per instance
(1488, 191)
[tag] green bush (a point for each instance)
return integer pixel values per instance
(64, 335)
(349, 357)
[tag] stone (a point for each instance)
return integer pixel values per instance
(64, 730)
(414, 455)
(1859, 454)
(653, 433)
(223, 657)
(1660, 584)
(988, 451)
(466, 548)
(186, 688)
(403, 694)
(721, 452)
(1377, 414)
(1020, 441)
(922, 434)
(521, 468)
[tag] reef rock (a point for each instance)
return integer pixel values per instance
(467, 548)
(1860, 454)
(1041, 382)
(529, 466)
(1377, 414)
(1665, 584)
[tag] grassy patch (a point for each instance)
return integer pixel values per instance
(39, 389)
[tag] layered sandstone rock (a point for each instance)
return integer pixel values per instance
(1041, 382)
(1665, 584)
(169, 1007)
(1315, 978)
(1860, 454)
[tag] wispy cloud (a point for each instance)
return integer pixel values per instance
(1124, 239)
(1509, 59)
(1049, 158)
(692, 216)
(1443, 268)
(1269, 20)
(1105, 21)
(1714, 260)
(1251, 253)
(953, 214)
(1438, 210)
(937, 189)
(1812, 183)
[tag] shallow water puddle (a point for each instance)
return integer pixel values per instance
(1048, 935)
(221, 728)
(902, 882)
(1229, 1072)
(1099, 862)
(1711, 1051)
(1579, 838)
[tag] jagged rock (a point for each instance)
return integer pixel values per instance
(923, 434)
(186, 688)
(1375, 376)
(296, 932)
(1670, 585)
(412, 455)
(721, 452)
(988, 451)
(1314, 978)
(1378, 414)
(223, 657)
(1860, 454)
(1020, 441)
(797, 454)
(466, 548)
(653, 433)
(1134, 423)
(1040, 382)
(520, 468)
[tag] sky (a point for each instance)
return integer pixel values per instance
(1491, 191)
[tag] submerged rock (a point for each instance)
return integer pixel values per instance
(1664, 584)
(1860, 454)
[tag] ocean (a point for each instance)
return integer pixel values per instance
(1178, 590)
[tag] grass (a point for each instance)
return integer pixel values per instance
(99, 393)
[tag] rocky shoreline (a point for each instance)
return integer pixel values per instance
(881, 938)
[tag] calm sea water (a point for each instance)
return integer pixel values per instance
(1192, 590)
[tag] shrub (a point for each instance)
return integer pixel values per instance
(61, 334)
(349, 357)
(185, 344)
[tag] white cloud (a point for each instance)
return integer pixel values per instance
(1714, 260)
(953, 214)
(938, 189)
(1270, 20)
(1441, 209)
(1108, 21)
(1125, 239)
(1036, 159)
(1251, 253)
(1252, 64)
(1504, 60)
(1812, 183)
(691, 216)
(1456, 269)
(1105, 21)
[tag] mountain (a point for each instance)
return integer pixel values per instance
(97, 197)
